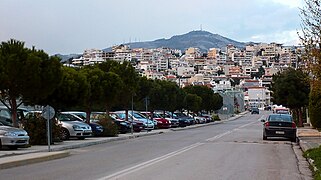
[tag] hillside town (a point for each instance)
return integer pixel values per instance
(241, 75)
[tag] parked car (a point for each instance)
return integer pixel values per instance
(73, 128)
(13, 137)
(207, 117)
(5, 115)
(279, 125)
(119, 118)
(148, 124)
(160, 121)
(198, 119)
(160, 114)
(180, 115)
(169, 116)
(96, 128)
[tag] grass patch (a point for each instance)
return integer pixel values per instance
(315, 155)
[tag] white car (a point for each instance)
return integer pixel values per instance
(73, 128)
(13, 137)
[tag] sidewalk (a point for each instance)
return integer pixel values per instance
(309, 138)
(37, 153)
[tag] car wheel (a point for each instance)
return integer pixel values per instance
(0, 144)
(65, 134)
(81, 138)
(264, 137)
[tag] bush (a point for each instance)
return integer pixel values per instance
(315, 104)
(315, 154)
(110, 128)
(36, 126)
(215, 117)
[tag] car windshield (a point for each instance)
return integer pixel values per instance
(5, 113)
(157, 116)
(66, 117)
(179, 115)
(279, 117)
(121, 115)
(80, 114)
(138, 116)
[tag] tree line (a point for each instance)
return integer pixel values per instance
(32, 77)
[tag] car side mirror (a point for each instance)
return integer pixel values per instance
(262, 120)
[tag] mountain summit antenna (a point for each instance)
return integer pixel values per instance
(201, 27)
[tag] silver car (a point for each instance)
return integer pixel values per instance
(13, 137)
(73, 128)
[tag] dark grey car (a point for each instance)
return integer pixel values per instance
(279, 125)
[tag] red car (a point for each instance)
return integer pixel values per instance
(162, 123)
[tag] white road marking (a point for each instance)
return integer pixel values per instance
(149, 163)
(143, 165)
(228, 132)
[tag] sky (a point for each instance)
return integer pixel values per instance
(71, 26)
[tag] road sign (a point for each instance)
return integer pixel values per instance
(48, 112)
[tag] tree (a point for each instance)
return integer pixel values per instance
(71, 91)
(291, 88)
(26, 75)
(193, 102)
(111, 85)
(96, 80)
(129, 77)
(311, 40)
(311, 35)
(208, 98)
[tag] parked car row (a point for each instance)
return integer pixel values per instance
(73, 123)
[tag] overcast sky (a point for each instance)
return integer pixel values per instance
(70, 26)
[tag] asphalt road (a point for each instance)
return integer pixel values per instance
(231, 150)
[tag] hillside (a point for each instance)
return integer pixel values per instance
(201, 39)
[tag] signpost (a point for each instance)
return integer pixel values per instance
(48, 113)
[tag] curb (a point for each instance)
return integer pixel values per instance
(104, 141)
(304, 147)
(20, 160)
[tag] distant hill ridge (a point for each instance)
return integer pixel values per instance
(203, 40)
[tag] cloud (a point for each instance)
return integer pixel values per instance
(290, 3)
(284, 37)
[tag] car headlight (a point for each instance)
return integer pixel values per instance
(76, 127)
(10, 134)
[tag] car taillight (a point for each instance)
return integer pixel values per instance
(293, 125)
(267, 124)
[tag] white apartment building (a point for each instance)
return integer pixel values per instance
(89, 57)
(258, 97)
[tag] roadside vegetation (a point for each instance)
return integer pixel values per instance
(315, 155)
(311, 40)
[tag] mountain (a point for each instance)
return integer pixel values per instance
(201, 39)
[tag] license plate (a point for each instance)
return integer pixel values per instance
(279, 132)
